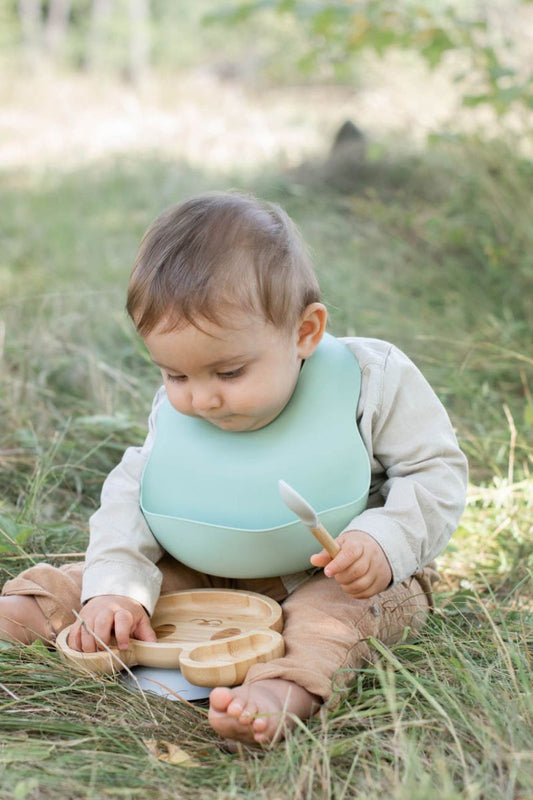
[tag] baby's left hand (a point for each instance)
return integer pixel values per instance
(361, 568)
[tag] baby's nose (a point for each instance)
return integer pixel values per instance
(204, 399)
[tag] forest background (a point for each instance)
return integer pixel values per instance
(420, 226)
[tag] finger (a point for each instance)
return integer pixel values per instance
(363, 589)
(361, 594)
(123, 626)
(88, 643)
(361, 580)
(348, 557)
(102, 626)
(320, 559)
(144, 631)
(357, 571)
(74, 637)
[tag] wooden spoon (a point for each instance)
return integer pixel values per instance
(309, 517)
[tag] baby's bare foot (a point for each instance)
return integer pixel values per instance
(259, 712)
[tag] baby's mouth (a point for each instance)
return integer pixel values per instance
(218, 420)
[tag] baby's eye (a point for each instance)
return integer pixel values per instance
(176, 378)
(233, 373)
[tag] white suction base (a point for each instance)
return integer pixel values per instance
(169, 683)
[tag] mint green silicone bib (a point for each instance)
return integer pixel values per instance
(211, 496)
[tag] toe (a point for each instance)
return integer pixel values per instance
(260, 724)
(249, 714)
(220, 699)
(236, 708)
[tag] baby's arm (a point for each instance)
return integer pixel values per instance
(121, 580)
(419, 474)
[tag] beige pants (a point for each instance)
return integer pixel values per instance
(325, 630)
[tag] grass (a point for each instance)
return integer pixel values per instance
(431, 251)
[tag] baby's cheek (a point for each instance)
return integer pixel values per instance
(248, 402)
(179, 405)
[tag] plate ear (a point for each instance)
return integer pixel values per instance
(225, 662)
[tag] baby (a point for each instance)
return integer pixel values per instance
(223, 294)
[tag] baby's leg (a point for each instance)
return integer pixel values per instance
(40, 602)
(21, 620)
(325, 638)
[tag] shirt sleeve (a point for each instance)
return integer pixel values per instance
(419, 473)
(122, 553)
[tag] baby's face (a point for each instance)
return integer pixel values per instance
(237, 378)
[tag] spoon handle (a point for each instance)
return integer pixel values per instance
(326, 539)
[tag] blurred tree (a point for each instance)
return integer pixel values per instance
(43, 27)
(127, 37)
(107, 31)
(30, 15)
(56, 26)
(139, 50)
(119, 36)
(100, 14)
(338, 31)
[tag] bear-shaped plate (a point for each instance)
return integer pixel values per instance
(212, 635)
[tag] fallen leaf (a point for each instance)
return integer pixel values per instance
(170, 753)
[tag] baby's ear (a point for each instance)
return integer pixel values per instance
(311, 328)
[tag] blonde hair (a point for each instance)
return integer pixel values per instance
(217, 252)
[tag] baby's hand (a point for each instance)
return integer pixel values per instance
(361, 568)
(107, 614)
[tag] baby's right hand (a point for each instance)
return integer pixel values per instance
(107, 614)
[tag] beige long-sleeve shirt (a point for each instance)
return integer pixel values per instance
(417, 489)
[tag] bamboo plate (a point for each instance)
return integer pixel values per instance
(212, 635)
